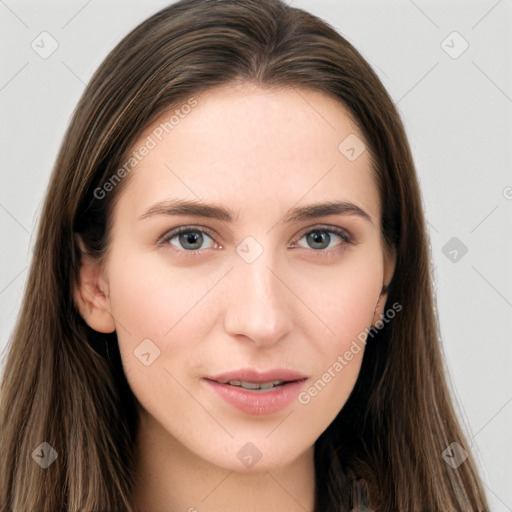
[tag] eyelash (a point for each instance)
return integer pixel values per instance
(327, 254)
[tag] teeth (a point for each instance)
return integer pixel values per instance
(250, 385)
(256, 385)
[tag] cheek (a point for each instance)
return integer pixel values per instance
(168, 306)
(344, 297)
(149, 298)
(337, 357)
(345, 301)
(322, 400)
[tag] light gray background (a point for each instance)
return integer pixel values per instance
(458, 116)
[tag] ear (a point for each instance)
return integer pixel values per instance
(91, 293)
(389, 270)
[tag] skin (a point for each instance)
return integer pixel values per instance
(260, 153)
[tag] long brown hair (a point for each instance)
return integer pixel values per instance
(63, 383)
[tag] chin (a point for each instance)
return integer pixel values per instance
(257, 456)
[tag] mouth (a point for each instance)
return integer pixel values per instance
(258, 392)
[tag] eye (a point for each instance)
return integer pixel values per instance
(187, 238)
(320, 238)
(190, 240)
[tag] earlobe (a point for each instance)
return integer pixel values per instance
(91, 295)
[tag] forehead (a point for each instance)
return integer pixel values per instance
(252, 149)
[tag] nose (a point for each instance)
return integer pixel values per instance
(257, 305)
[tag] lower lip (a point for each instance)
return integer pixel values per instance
(258, 402)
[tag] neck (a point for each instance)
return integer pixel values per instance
(171, 478)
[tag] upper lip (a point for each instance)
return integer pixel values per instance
(252, 375)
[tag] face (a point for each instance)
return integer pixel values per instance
(258, 288)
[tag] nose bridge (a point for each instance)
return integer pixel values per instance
(257, 304)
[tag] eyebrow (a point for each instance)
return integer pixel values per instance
(213, 211)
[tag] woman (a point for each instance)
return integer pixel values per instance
(260, 370)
